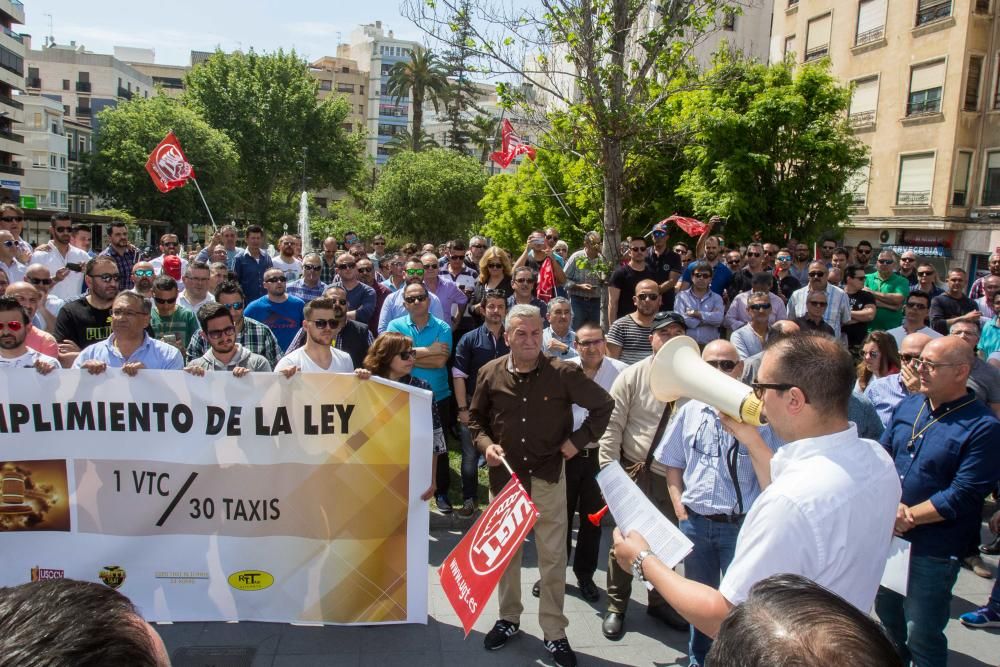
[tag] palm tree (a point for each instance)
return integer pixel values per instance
(404, 141)
(483, 135)
(422, 76)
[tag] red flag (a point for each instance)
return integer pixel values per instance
(167, 165)
(510, 146)
(472, 570)
(546, 288)
(692, 226)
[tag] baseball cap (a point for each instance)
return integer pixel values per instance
(665, 318)
(172, 266)
(659, 227)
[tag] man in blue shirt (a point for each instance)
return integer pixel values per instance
(251, 266)
(309, 286)
(129, 347)
(280, 313)
(944, 444)
(432, 346)
(721, 274)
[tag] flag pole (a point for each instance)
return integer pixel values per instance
(207, 209)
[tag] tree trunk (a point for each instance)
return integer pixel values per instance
(614, 205)
(418, 117)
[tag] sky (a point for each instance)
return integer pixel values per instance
(176, 27)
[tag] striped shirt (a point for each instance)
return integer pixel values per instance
(299, 289)
(885, 393)
(838, 306)
(632, 338)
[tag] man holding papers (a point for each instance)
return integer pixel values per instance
(830, 507)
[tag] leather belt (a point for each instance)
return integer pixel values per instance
(719, 518)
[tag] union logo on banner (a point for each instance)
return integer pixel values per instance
(474, 567)
(167, 165)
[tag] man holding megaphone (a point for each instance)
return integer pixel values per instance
(830, 508)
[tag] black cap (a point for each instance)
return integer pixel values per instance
(667, 317)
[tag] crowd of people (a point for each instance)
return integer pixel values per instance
(837, 347)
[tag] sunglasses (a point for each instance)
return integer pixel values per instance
(216, 334)
(647, 297)
(760, 387)
(753, 254)
(907, 358)
(860, 251)
(106, 277)
(818, 303)
(924, 274)
(784, 258)
(829, 247)
(638, 249)
(323, 324)
(277, 279)
(658, 234)
(723, 364)
(14, 326)
(552, 237)
(871, 354)
(886, 261)
(63, 230)
(366, 270)
(143, 273)
(169, 245)
(40, 281)
(236, 305)
(311, 267)
(346, 266)
(907, 259)
(10, 243)
(430, 267)
(161, 300)
(702, 275)
(458, 257)
(378, 242)
(406, 355)
(415, 272)
(817, 274)
(916, 306)
(12, 219)
(494, 266)
(733, 262)
(759, 306)
(416, 299)
(525, 281)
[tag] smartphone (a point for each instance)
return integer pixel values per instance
(169, 338)
(538, 243)
(73, 266)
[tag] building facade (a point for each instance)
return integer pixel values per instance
(926, 100)
(12, 50)
(79, 143)
(45, 184)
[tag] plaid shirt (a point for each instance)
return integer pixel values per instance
(328, 271)
(298, 288)
(125, 263)
(255, 337)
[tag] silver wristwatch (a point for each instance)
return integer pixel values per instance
(637, 564)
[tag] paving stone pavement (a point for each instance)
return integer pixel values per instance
(441, 642)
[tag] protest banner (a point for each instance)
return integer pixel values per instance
(474, 567)
(220, 498)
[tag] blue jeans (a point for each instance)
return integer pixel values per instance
(916, 623)
(470, 464)
(994, 602)
(714, 547)
(585, 310)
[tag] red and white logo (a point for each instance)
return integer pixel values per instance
(167, 165)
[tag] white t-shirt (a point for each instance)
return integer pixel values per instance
(27, 360)
(340, 363)
(292, 269)
(827, 515)
(604, 377)
(71, 286)
(157, 263)
(899, 334)
(184, 301)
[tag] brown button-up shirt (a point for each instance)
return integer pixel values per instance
(530, 415)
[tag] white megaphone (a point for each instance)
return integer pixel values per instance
(678, 370)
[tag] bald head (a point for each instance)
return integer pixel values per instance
(785, 327)
(645, 285)
(723, 355)
(949, 349)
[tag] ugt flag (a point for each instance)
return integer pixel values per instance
(167, 165)
(473, 569)
(510, 146)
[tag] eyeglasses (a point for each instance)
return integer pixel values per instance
(818, 303)
(760, 387)
(378, 242)
(125, 312)
(494, 266)
(235, 305)
(311, 267)
(552, 237)
(475, 245)
(657, 234)
(458, 257)
(415, 272)
(917, 306)
(589, 343)
(784, 258)
(368, 269)
(40, 281)
(216, 334)
(63, 230)
(12, 219)
(753, 254)
(907, 259)
(10, 243)
(143, 273)
(430, 267)
(871, 354)
(169, 245)
(924, 274)
(886, 261)
(323, 324)
(106, 277)
(931, 366)
(647, 297)
(862, 251)
(14, 326)
(723, 364)
(525, 281)
(346, 266)
(702, 275)
(817, 274)
(162, 301)
(907, 358)
(415, 299)
(829, 247)
(406, 355)
(759, 306)
(733, 262)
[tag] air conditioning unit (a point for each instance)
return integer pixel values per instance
(888, 236)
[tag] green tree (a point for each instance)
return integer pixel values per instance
(461, 94)
(483, 135)
(129, 131)
(266, 104)
(430, 195)
(404, 141)
(773, 147)
(420, 78)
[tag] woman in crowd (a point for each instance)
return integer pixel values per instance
(495, 270)
(879, 357)
(783, 278)
(392, 357)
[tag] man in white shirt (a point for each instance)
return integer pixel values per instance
(195, 293)
(286, 260)
(14, 353)
(8, 257)
(829, 510)
(838, 304)
(914, 317)
(169, 245)
(317, 356)
(64, 261)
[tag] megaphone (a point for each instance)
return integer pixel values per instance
(679, 371)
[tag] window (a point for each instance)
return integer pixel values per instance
(916, 173)
(386, 68)
(52, 161)
(789, 46)
(325, 84)
(871, 22)
(818, 38)
(65, 109)
(972, 80)
(345, 87)
(321, 202)
(55, 128)
(38, 121)
(792, 3)
(65, 84)
(982, 7)
(932, 10)
(729, 20)
(361, 90)
(991, 184)
(62, 198)
(62, 162)
(926, 83)
(857, 185)
(361, 109)
(346, 127)
(345, 70)
(864, 101)
(960, 186)
(53, 197)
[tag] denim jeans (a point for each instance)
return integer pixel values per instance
(714, 547)
(916, 623)
(994, 602)
(585, 310)
(470, 464)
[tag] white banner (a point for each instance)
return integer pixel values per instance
(218, 498)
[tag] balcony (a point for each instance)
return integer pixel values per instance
(862, 118)
(928, 12)
(34, 83)
(10, 136)
(125, 93)
(869, 36)
(13, 35)
(73, 156)
(83, 86)
(11, 102)
(817, 52)
(913, 198)
(84, 111)
(8, 169)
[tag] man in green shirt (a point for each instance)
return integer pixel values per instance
(890, 291)
(170, 323)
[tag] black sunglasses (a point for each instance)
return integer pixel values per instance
(162, 300)
(723, 364)
(276, 279)
(415, 299)
(759, 306)
(323, 324)
(760, 387)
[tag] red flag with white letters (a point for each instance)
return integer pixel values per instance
(167, 165)
(473, 569)
(510, 146)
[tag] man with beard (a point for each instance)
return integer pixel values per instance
(123, 253)
(14, 352)
(84, 322)
(721, 275)
(348, 335)
(279, 312)
(225, 354)
(129, 347)
(36, 338)
(250, 333)
(800, 267)
(58, 255)
(317, 356)
(143, 275)
(286, 260)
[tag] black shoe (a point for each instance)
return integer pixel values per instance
(561, 652)
(442, 503)
(536, 590)
(588, 590)
(991, 548)
(613, 626)
(668, 615)
(498, 636)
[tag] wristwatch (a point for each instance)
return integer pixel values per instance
(637, 564)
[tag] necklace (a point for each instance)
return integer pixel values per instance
(914, 433)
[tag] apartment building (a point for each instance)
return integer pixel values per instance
(79, 143)
(12, 51)
(46, 166)
(926, 100)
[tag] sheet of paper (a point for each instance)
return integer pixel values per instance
(897, 566)
(632, 510)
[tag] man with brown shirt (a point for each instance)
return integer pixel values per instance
(521, 410)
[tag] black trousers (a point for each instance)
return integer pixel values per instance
(447, 414)
(583, 495)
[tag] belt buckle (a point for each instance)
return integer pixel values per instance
(584, 453)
